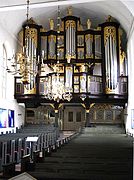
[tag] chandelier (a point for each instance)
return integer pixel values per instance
(29, 62)
(56, 89)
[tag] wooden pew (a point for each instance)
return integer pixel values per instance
(38, 156)
(25, 162)
(9, 169)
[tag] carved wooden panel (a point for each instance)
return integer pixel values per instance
(108, 115)
(100, 115)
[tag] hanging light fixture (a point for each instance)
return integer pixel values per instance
(55, 88)
(26, 65)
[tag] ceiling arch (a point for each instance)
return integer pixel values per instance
(13, 13)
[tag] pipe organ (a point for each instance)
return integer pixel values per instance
(88, 61)
(29, 57)
(111, 55)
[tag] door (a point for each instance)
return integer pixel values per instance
(74, 118)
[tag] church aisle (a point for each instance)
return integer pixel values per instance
(91, 156)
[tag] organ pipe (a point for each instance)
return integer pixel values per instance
(70, 39)
(111, 59)
(29, 68)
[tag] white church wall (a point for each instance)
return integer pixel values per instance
(8, 102)
(129, 115)
(9, 42)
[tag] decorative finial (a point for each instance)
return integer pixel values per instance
(109, 19)
(69, 11)
(88, 24)
(80, 28)
(51, 24)
(98, 28)
(31, 21)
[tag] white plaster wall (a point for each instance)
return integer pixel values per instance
(130, 106)
(10, 103)
(10, 43)
(5, 36)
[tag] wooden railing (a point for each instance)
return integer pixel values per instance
(93, 86)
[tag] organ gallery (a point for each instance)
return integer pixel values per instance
(71, 61)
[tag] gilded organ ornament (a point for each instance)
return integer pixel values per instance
(77, 49)
(79, 26)
(89, 24)
(109, 31)
(32, 34)
(51, 24)
(69, 11)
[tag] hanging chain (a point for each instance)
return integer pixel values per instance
(27, 14)
(58, 20)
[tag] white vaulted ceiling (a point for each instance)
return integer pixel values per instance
(13, 12)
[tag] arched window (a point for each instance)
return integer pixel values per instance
(3, 72)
